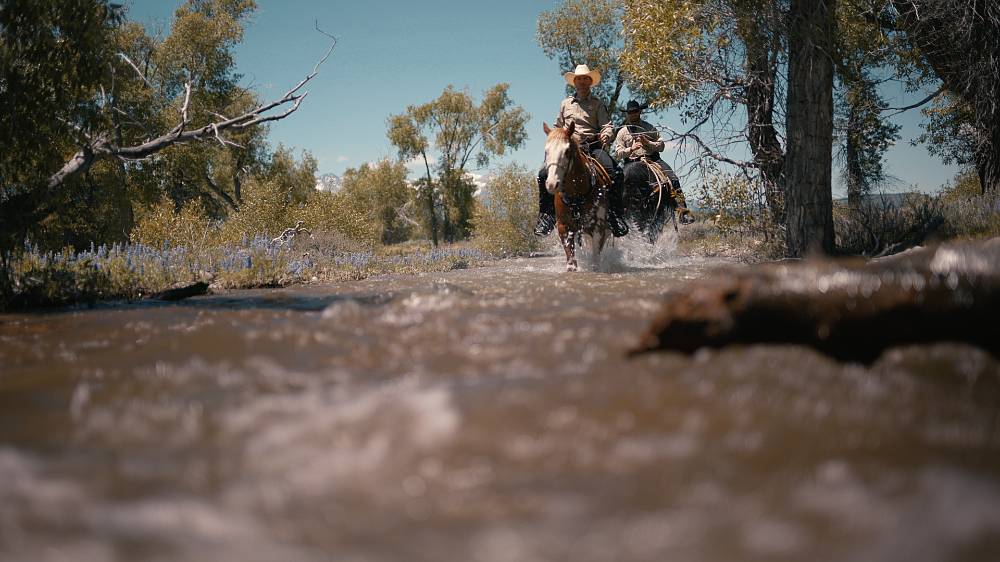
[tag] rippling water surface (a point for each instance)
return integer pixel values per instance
(482, 415)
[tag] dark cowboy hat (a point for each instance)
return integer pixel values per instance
(633, 106)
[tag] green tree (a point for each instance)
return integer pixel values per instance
(586, 32)
(960, 41)
(462, 134)
(719, 62)
(109, 98)
(866, 55)
(53, 58)
(379, 191)
(404, 133)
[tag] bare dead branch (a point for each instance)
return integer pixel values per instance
(898, 110)
(705, 149)
(136, 68)
(100, 147)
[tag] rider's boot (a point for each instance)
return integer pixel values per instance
(684, 215)
(546, 211)
(616, 206)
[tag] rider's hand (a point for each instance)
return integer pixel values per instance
(605, 137)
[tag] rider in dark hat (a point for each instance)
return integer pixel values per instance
(636, 140)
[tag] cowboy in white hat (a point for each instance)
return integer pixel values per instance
(593, 131)
(638, 140)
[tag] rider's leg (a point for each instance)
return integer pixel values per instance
(616, 205)
(546, 206)
(636, 185)
(683, 213)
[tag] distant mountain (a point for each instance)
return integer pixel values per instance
(329, 182)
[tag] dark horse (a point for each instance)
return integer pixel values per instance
(580, 186)
(651, 192)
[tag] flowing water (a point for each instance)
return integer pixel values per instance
(483, 415)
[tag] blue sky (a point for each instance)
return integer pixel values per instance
(391, 54)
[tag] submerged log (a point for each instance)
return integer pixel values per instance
(849, 310)
(181, 291)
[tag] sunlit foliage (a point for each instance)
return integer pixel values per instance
(586, 32)
(505, 215)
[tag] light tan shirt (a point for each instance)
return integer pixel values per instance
(627, 136)
(590, 116)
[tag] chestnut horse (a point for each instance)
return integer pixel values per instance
(580, 186)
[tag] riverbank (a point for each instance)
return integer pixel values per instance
(40, 280)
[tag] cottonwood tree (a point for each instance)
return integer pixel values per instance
(723, 63)
(960, 41)
(462, 134)
(586, 32)
(109, 100)
(719, 62)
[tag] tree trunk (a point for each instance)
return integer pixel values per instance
(808, 193)
(855, 176)
(989, 163)
(768, 154)
(430, 201)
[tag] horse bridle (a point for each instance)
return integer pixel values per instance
(568, 164)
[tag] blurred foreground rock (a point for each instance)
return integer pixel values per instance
(848, 309)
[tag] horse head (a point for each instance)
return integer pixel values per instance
(560, 152)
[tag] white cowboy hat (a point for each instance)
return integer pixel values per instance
(583, 70)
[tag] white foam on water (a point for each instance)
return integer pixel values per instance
(320, 442)
(631, 251)
(412, 310)
(46, 518)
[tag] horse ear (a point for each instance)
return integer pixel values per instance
(569, 130)
(545, 127)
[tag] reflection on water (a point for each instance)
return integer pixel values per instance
(484, 415)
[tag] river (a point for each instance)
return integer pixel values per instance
(484, 415)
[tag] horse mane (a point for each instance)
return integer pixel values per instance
(562, 134)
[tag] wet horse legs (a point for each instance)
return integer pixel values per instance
(568, 239)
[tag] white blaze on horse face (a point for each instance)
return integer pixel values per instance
(556, 163)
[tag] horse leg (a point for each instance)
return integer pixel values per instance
(597, 241)
(568, 240)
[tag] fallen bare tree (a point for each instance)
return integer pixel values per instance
(849, 310)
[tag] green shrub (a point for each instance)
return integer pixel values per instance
(378, 192)
(968, 212)
(505, 215)
(882, 225)
(265, 211)
(734, 222)
(335, 214)
(162, 225)
(737, 207)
